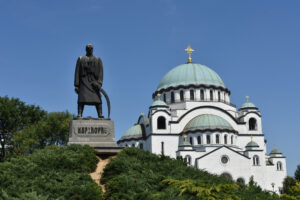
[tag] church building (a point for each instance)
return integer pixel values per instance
(192, 117)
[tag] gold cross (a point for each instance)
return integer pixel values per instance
(247, 97)
(189, 50)
(158, 95)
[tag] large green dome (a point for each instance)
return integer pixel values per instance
(190, 74)
(208, 122)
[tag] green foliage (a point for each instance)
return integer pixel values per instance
(51, 173)
(53, 129)
(15, 115)
(293, 192)
(297, 173)
(287, 183)
(137, 174)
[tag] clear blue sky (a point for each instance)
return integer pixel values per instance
(253, 45)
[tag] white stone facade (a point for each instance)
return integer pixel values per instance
(216, 150)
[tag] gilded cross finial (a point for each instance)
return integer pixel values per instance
(189, 50)
(184, 137)
(158, 96)
(247, 97)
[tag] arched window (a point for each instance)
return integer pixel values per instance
(202, 95)
(252, 124)
(255, 160)
(225, 139)
(188, 159)
(232, 139)
(211, 95)
(191, 140)
(207, 139)
(219, 96)
(226, 175)
(192, 97)
(165, 98)
(240, 180)
(161, 122)
(141, 146)
(172, 97)
(181, 96)
(199, 139)
(217, 139)
(279, 166)
(162, 148)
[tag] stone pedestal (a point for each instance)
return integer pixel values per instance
(97, 133)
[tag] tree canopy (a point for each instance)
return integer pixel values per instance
(25, 128)
(51, 173)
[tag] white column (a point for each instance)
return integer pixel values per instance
(177, 95)
(197, 94)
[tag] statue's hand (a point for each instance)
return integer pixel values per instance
(76, 90)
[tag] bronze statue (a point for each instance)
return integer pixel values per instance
(88, 81)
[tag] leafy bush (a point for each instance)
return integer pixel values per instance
(137, 174)
(51, 173)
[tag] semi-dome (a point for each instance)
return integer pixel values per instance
(208, 122)
(191, 74)
(133, 132)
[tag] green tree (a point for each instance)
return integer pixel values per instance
(51, 130)
(288, 182)
(50, 174)
(15, 116)
(297, 173)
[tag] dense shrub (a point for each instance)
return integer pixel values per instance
(51, 173)
(137, 174)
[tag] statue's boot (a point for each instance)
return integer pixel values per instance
(80, 110)
(99, 110)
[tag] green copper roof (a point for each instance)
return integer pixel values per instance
(190, 74)
(252, 144)
(207, 121)
(185, 143)
(133, 132)
(159, 103)
(248, 105)
(275, 151)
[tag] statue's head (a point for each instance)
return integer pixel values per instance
(89, 49)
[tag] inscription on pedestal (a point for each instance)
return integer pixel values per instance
(93, 132)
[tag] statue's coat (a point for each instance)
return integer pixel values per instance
(88, 79)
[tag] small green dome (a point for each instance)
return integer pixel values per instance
(185, 143)
(134, 132)
(190, 74)
(158, 103)
(252, 144)
(275, 151)
(208, 121)
(248, 105)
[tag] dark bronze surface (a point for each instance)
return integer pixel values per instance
(88, 81)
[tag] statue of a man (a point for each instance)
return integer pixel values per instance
(88, 81)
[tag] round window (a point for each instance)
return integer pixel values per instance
(224, 159)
